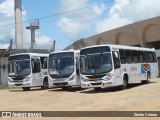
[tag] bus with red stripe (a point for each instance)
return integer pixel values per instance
(104, 66)
(63, 69)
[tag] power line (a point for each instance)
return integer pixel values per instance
(57, 14)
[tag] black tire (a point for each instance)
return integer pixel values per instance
(26, 88)
(125, 84)
(45, 84)
(148, 79)
(64, 88)
(97, 89)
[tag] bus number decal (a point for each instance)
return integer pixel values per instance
(133, 68)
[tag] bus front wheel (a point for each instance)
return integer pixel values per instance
(26, 88)
(64, 88)
(45, 84)
(125, 84)
(97, 89)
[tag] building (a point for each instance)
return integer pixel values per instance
(144, 34)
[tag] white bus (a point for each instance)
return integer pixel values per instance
(63, 69)
(28, 70)
(116, 65)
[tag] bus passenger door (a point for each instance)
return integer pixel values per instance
(36, 72)
(117, 70)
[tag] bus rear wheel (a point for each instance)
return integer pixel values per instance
(97, 89)
(26, 88)
(45, 84)
(148, 79)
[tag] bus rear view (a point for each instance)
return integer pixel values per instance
(64, 69)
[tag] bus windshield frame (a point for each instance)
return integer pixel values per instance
(19, 65)
(61, 65)
(96, 60)
(96, 63)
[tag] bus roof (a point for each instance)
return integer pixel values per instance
(32, 54)
(121, 47)
(71, 50)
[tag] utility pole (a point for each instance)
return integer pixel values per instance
(33, 26)
(18, 24)
(10, 46)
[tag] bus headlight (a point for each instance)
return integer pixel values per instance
(84, 79)
(108, 77)
(51, 80)
(27, 79)
(72, 77)
(10, 80)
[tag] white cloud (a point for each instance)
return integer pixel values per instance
(4, 46)
(111, 23)
(6, 8)
(8, 32)
(124, 12)
(7, 16)
(75, 24)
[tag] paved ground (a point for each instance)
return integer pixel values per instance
(139, 97)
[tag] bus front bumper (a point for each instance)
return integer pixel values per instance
(65, 83)
(19, 85)
(101, 84)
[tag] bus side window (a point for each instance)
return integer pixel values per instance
(146, 57)
(42, 62)
(150, 57)
(135, 56)
(154, 57)
(140, 56)
(122, 56)
(128, 56)
(45, 64)
(116, 59)
(35, 65)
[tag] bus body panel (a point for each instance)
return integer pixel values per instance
(33, 79)
(73, 79)
(136, 72)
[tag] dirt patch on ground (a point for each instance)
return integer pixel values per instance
(139, 97)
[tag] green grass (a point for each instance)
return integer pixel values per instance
(2, 87)
(159, 76)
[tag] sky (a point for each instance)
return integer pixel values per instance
(101, 16)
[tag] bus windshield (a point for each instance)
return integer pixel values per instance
(98, 63)
(61, 64)
(19, 66)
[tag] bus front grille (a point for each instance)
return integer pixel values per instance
(61, 84)
(18, 84)
(99, 83)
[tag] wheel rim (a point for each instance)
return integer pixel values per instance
(45, 84)
(124, 83)
(148, 77)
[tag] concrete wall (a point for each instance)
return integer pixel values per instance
(144, 33)
(138, 34)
